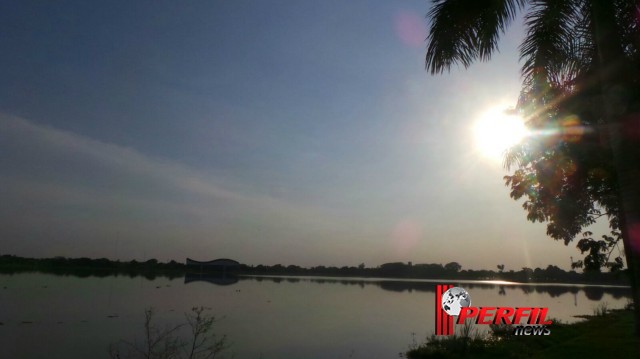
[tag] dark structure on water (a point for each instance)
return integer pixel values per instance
(213, 278)
(222, 265)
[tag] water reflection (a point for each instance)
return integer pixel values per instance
(591, 292)
(213, 278)
(316, 316)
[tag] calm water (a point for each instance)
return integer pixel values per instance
(264, 317)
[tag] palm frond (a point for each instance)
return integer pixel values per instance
(515, 156)
(463, 31)
(627, 21)
(556, 42)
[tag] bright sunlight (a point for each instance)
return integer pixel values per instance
(496, 130)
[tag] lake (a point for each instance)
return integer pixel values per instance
(45, 315)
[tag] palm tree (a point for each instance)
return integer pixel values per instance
(580, 58)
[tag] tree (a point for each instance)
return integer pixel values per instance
(599, 253)
(454, 267)
(580, 85)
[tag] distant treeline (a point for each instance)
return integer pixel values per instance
(88, 267)
(592, 292)
(451, 270)
(152, 268)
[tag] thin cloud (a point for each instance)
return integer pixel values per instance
(55, 179)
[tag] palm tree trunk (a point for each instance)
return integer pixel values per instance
(617, 78)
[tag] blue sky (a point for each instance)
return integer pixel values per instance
(294, 132)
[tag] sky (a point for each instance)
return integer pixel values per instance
(292, 132)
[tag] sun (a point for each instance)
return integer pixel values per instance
(496, 130)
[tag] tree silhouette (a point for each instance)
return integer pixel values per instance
(454, 267)
(580, 84)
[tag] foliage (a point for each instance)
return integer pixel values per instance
(565, 171)
(606, 336)
(10, 264)
(85, 267)
(467, 341)
(165, 343)
(465, 31)
(501, 330)
(599, 253)
(601, 310)
(454, 267)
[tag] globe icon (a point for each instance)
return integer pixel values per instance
(455, 299)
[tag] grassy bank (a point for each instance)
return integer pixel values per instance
(607, 335)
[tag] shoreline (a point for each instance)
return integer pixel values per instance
(551, 276)
(605, 334)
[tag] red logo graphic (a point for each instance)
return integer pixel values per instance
(444, 322)
(455, 301)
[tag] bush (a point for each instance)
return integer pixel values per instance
(168, 344)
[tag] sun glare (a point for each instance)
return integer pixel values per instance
(496, 130)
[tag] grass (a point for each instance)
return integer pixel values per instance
(601, 310)
(466, 341)
(607, 334)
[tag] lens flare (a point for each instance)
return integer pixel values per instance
(409, 28)
(572, 130)
(497, 130)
